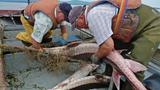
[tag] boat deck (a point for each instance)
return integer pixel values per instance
(25, 73)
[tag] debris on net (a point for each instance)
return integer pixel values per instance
(51, 62)
(56, 62)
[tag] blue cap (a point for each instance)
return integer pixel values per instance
(65, 8)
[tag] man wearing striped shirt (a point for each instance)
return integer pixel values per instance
(99, 20)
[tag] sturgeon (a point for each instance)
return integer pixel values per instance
(84, 81)
(82, 72)
(123, 66)
(126, 68)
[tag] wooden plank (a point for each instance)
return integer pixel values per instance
(2, 76)
(12, 42)
(13, 28)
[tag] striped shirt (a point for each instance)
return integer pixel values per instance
(99, 21)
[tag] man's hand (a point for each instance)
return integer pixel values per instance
(102, 65)
(64, 32)
(36, 45)
(65, 36)
(94, 59)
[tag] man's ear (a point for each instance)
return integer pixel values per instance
(81, 16)
(85, 25)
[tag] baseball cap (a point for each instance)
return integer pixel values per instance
(73, 15)
(65, 8)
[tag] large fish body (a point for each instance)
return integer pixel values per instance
(126, 68)
(123, 66)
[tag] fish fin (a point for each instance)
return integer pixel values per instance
(116, 78)
(135, 66)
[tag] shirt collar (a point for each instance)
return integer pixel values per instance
(85, 13)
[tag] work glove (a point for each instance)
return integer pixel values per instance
(102, 65)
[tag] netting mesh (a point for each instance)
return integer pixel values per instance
(51, 62)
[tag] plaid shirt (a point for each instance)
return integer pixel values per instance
(42, 25)
(99, 21)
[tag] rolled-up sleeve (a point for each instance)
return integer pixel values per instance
(100, 21)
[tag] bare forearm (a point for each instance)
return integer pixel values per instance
(63, 29)
(64, 32)
(102, 52)
(36, 44)
(105, 48)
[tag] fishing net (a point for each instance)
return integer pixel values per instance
(58, 62)
(56, 59)
(51, 62)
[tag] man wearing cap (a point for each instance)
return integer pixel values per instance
(40, 18)
(138, 32)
